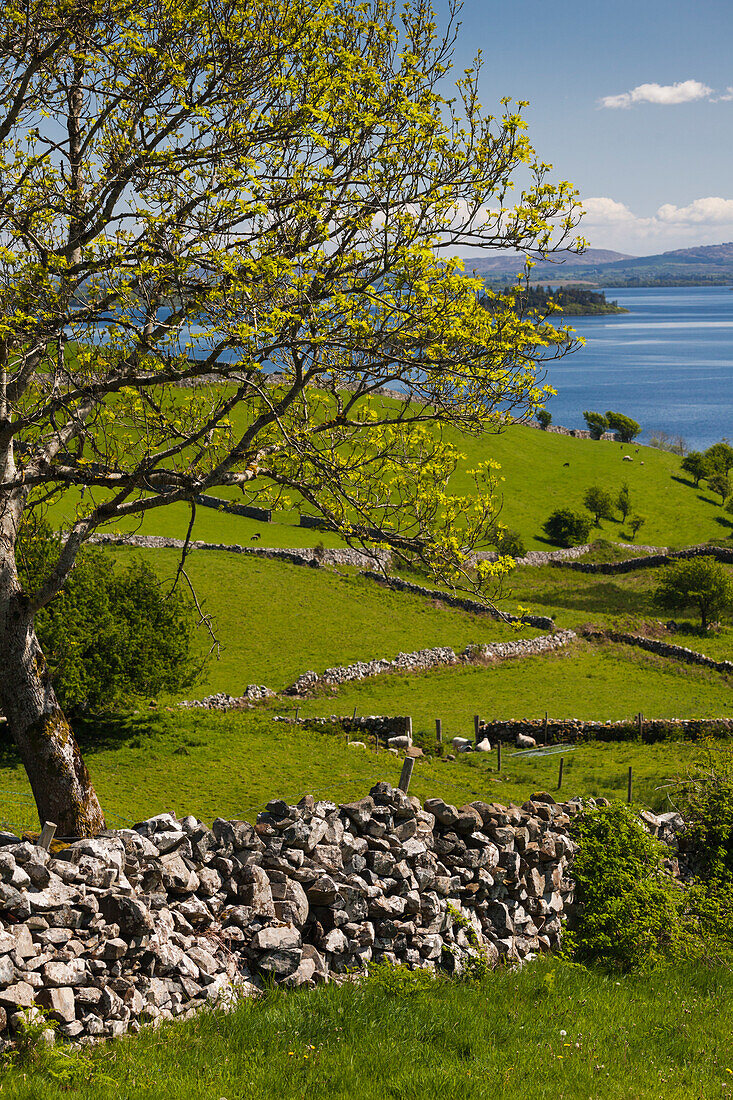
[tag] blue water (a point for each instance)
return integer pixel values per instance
(668, 364)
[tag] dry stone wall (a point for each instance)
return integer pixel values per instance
(649, 561)
(664, 649)
(542, 622)
(311, 556)
(157, 921)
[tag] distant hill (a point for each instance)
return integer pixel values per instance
(508, 263)
(700, 266)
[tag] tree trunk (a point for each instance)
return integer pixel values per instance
(58, 776)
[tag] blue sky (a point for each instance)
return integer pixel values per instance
(630, 101)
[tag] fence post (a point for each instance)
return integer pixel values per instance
(498, 756)
(476, 721)
(406, 773)
(47, 835)
(408, 729)
(544, 729)
(438, 731)
(559, 777)
(297, 712)
(640, 720)
(628, 789)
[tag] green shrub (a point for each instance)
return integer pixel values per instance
(110, 635)
(597, 423)
(568, 528)
(509, 542)
(544, 419)
(627, 915)
(624, 426)
(699, 583)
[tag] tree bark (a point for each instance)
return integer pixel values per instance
(58, 775)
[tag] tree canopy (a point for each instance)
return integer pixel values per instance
(194, 197)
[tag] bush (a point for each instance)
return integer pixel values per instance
(636, 522)
(509, 542)
(544, 419)
(568, 528)
(110, 635)
(627, 915)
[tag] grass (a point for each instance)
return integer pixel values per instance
(541, 472)
(275, 620)
(550, 1030)
(583, 681)
(230, 765)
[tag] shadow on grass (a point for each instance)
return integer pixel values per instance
(604, 597)
(94, 733)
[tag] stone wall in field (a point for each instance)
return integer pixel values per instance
(664, 649)
(649, 561)
(157, 921)
(312, 556)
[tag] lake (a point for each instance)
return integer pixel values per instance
(668, 364)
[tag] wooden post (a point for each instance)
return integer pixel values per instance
(559, 776)
(498, 756)
(297, 712)
(544, 730)
(640, 720)
(353, 716)
(406, 774)
(438, 731)
(476, 721)
(628, 789)
(47, 835)
(408, 730)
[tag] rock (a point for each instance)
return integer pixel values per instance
(444, 813)
(360, 813)
(131, 914)
(20, 995)
(59, 1003)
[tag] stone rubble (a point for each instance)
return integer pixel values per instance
(157, 921)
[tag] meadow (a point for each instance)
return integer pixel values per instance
(550, 1030)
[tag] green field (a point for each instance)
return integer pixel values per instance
(541, 472)
(551, 1030)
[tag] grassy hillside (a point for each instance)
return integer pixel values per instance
(275, 620)
(541, 472)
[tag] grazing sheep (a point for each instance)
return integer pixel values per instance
(566, 463)
(484, 746)
(402, 741)
(628, 458)
(525, 742)
(357, 745)
(460, 743)
(255, 538)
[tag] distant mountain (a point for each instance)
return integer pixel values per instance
(511, 262)
(700, 266)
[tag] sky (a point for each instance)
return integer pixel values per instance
(630, 100)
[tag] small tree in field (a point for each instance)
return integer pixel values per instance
(636, 522)
(597, 423)
(623, 501)
(599, 503)
(566, 527)
(719, 483)
(695, 465)
(626, 428)
(280, 179)
(699, 583)
(544, 419)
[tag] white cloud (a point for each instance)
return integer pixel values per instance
(710, 211)
(685, 91)
(611, 224)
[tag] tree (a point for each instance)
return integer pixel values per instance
(636, 522)
(719, 458)
(567, 528)
(599, 503)
(626, 428)
(719, 483)
(597, 423)
(111, 634)
(544, 419)
(623, 500)
(694, 464)
(278, 180)
(700, 583)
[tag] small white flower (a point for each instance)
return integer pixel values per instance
(563, 1034)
